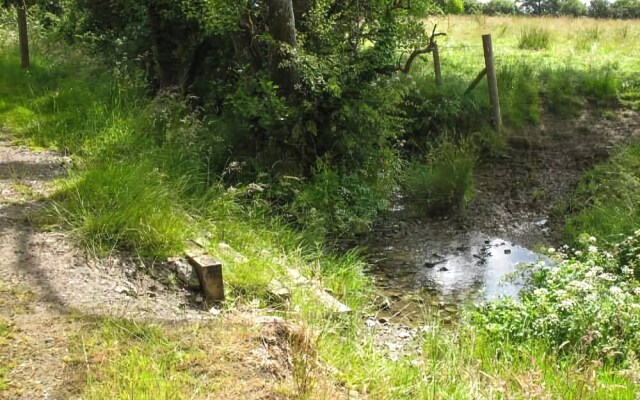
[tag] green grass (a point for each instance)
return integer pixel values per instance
(445, 182)
(606, 201)
(534, 38)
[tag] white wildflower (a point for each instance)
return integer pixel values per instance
(541, 292)
(551, 250)
(566, 304)
(554, 271)
(636, 291)
(580, 286)
(616, 291)
(607, 277)
(626, 270)
(592, 249)
(591, 298)
(561, 293)
(553, 318)
(578, 253)
(592, 239)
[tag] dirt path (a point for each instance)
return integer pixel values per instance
(44, 280)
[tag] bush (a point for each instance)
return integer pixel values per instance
(577, 305)
(574, 8)
(500, 7)
(338, 203)
(445, 183)
(534, 38)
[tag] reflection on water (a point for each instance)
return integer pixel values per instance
(445, 267)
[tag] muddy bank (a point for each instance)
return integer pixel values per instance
(426, 265)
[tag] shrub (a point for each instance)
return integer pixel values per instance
(576, 305)
(445, 183)
(534, 38)
(341, 203)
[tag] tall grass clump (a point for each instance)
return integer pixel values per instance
(520, 94)
(534, 38)
(444, 184)
(126, 206)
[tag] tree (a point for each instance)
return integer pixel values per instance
(500, 7)
(23, 35)
(540, 7)
(574, 8)
(599, 9)
(626, 9)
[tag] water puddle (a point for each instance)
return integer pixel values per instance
(434, 267)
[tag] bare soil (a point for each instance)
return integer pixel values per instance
(541, 170)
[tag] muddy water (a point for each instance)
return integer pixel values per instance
(436, 266)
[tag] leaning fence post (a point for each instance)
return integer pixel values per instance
(492, 81)
(436, 65)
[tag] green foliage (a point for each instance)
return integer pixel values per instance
(339, 203)
(454, 7)
(520, 94)
(534, 38)
(599, 9)
(605, 202)
(500, 7)
(575, 8)
(561, 92)
(124, 206)
(577, 305)
(445, 183)
(627, 9)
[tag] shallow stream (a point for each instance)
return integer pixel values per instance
(436, 266)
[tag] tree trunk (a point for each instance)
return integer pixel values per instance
(23, 34)
(282, 28)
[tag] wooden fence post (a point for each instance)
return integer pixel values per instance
(23, 35)
(492, 81)
(436, 65)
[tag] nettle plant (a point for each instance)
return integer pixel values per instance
(587, 302)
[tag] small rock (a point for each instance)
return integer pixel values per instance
(186, 274)
(214, 311)
(404, 335)
(370, 323)
(507, 251)
(443, 269)
(383, 321)
(384, 304)
(199, 299)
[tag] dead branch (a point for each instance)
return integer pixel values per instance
(418, 52)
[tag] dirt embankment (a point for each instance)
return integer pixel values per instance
(541, 170)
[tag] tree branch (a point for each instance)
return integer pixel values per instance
(419, 52)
